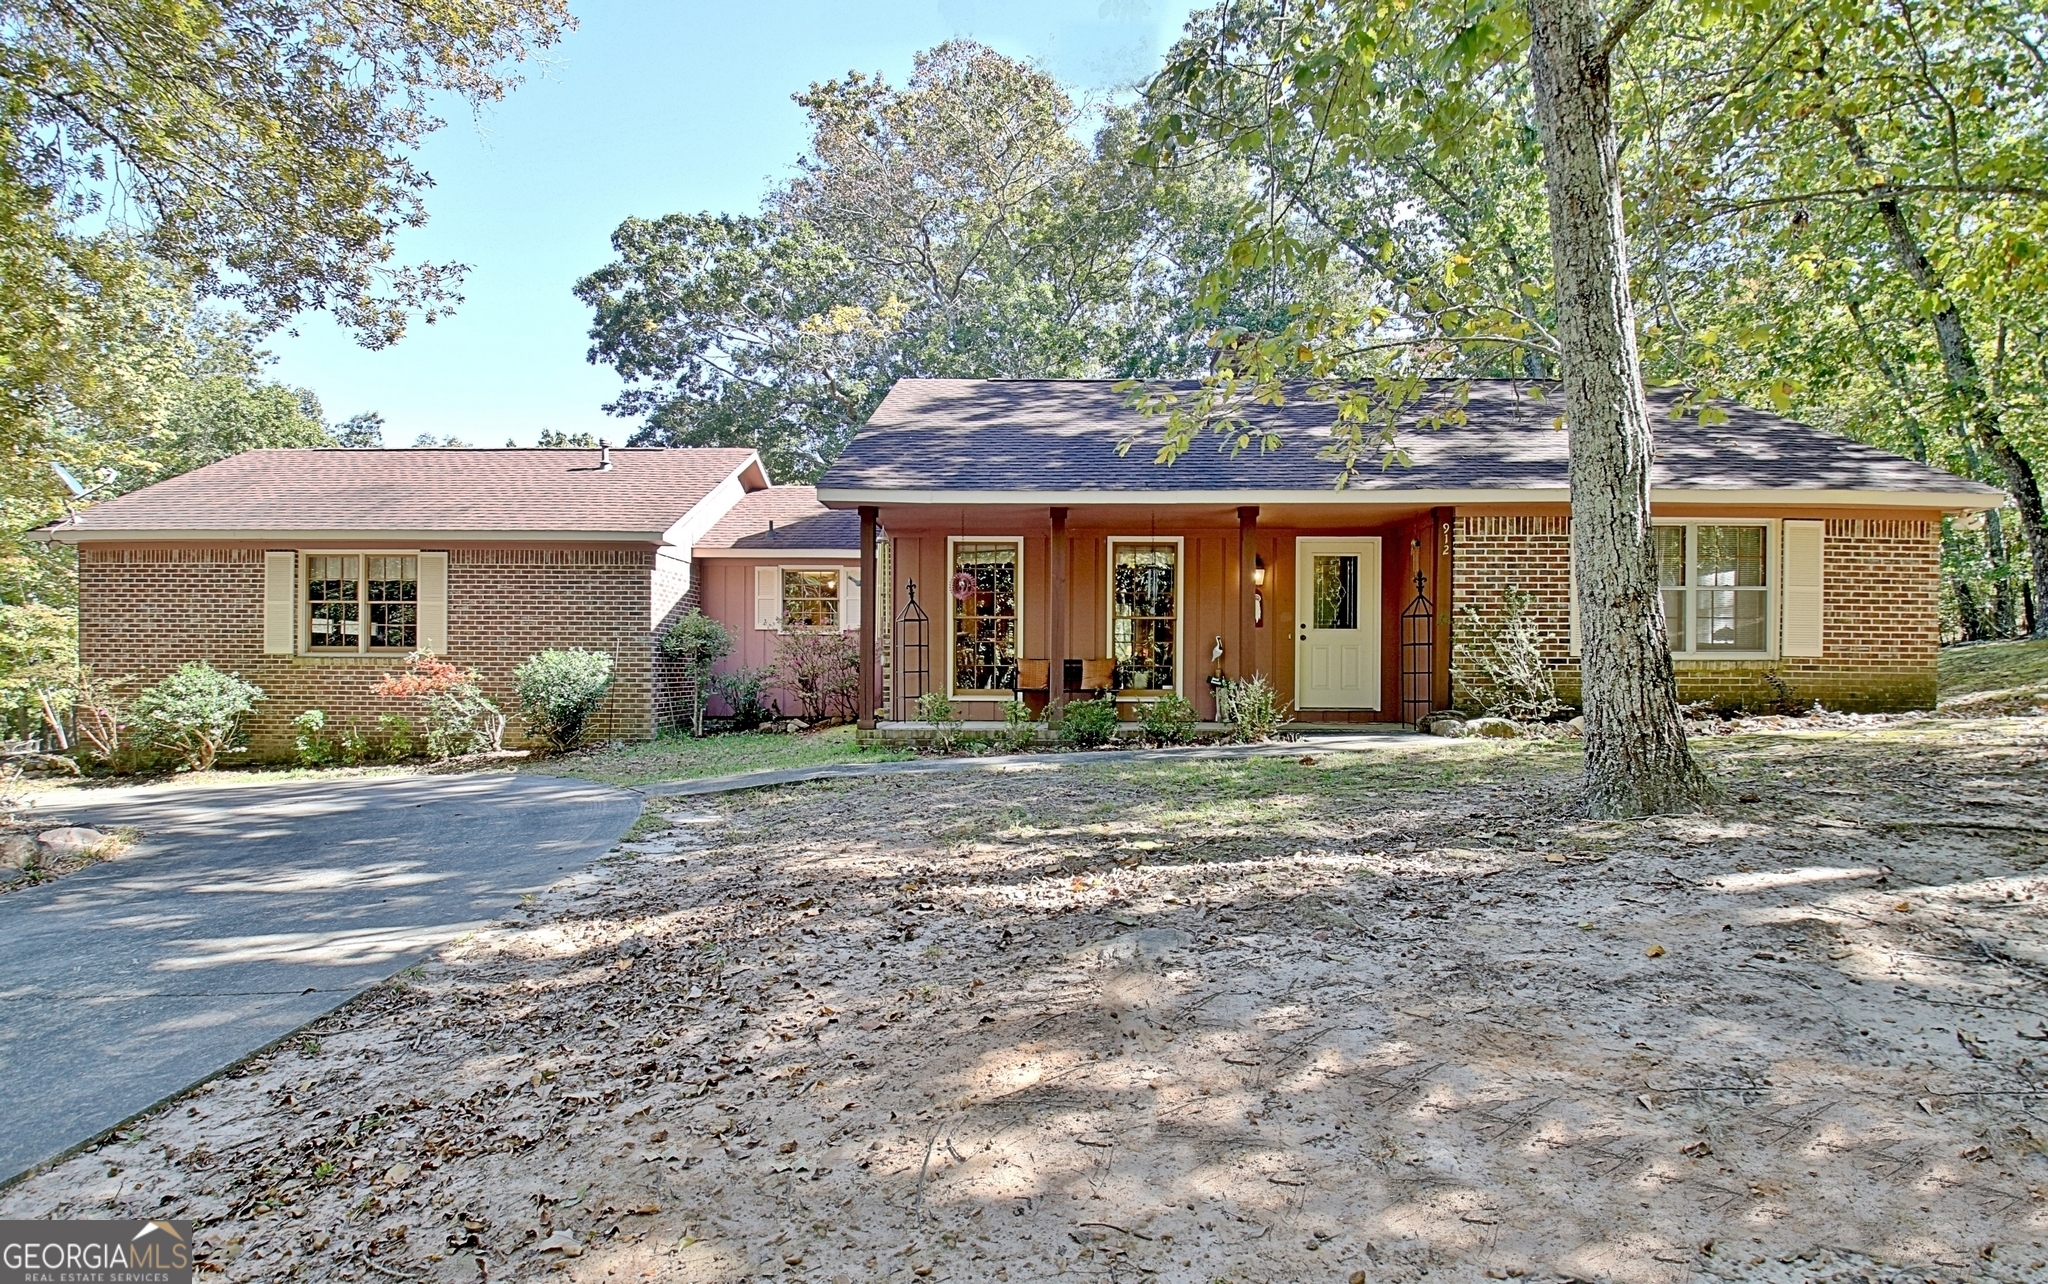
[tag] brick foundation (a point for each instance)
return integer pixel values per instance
(1880, 622)
(145, 610)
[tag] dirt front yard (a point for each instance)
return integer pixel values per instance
(1335, 1017)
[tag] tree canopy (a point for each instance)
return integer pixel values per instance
(260, 152)
(955, 226)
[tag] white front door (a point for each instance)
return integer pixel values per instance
(1337, 623)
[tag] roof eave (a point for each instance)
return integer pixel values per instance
(343, 536)
(726, 550)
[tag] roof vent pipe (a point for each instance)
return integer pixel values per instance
(604, 455)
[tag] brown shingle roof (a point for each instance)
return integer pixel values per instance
(784, 517)
(1035, 436)
(514, 492)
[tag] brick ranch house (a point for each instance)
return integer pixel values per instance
(1043, 565)
(312, 573)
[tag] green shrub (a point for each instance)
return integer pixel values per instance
(1088, 724)
(559, 690)
(1251, 708)
(1169, 720)
(1020, 727)
(742, 690)
(696, 642)
(196, 713)
(351, 745)
(935, 708)
(400, 742)
(315, 749)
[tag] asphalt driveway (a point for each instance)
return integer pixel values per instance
(245, 912)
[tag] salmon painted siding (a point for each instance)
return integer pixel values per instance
(726, 590)
(1211, 585)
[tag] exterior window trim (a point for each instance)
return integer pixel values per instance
(1180, 611)
(303, 609)
(1770, 591)
(952, 667)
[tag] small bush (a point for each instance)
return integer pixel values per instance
(1514, 676)
(1169, 720)
(560, 690)
(823, 668)
(196, 713)
(351, 745)
(400, 742)
(697, 642)
(1020, 727)
(315, 749)
(935, 708)
(1251, 708)
(460, 718)
(1089, 724)
(743, 690)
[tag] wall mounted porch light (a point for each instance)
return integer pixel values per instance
(1258, 591)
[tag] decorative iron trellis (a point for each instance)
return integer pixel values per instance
(1418, 657)
(913, 654)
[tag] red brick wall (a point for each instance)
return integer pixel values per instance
(675, 594)
(1880, 623)
(144, 610)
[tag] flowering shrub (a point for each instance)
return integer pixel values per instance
(460, 718)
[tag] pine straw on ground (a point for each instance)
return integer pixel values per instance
(1343, 1017)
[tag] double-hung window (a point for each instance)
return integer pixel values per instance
(986, 591)
(1144, 615)
(361, 602)
(1716, 582)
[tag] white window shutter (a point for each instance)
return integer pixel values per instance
(1571, 582)
(433, 606)
(280, 600)
(849, 599)
(768, 598)
(1803, 591)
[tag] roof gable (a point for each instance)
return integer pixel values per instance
(782, 519)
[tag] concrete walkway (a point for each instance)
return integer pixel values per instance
(243, 913)
(1359, 742)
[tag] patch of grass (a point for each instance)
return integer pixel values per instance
(651, 822)
(678, 756)
(1979, 669)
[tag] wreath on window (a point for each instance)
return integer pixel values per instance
(964, 585)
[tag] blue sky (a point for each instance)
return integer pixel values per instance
(648, 108)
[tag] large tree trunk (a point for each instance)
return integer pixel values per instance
(1637, 760)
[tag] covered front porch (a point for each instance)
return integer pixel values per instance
(1341, 605)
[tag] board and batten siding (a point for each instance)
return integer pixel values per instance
(731, 592)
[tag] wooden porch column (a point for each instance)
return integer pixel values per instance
(1246, 661)
(1056, 617)
(870, 684)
